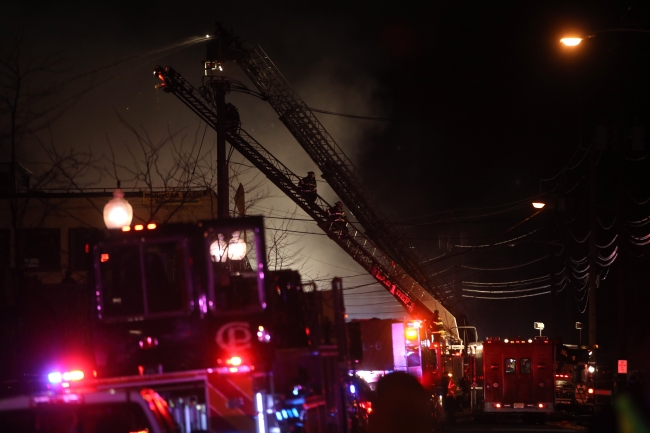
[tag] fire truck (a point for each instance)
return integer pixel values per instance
(191, 312)
(513, 376)
(411, 346)
(572, 377)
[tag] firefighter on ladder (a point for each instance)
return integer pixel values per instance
(337, 217)
(308, 187)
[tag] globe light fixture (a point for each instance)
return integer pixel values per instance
(118, 212)
(236, 247)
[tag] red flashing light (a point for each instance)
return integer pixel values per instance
(366, 405)
(87, 248)
(590, 391)
(104, 258)
(497, 405)
(235, 360)
(541, 405)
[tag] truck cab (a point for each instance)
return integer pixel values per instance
(87, 411)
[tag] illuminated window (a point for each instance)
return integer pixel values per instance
(525, 366)
(511, 366)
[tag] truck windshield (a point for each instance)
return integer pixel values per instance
(143, 279)
(235, 279)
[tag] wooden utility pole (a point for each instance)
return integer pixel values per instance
(592, 246)
(223, 200)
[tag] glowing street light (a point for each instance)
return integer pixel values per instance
(118, 212)
(538, 204)
(571, 42)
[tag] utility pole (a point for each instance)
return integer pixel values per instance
(223, 200)
(592, 246)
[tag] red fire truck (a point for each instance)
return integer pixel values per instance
(513, 376)
(191, 312)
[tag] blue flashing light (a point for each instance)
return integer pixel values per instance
(353, 389)
(278, 415)
(55, 377)
(284, 414)
(295, 412)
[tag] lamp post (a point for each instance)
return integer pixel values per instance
(118, 212)
(630, 110)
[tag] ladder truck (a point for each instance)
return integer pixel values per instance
(376, 245)
(189, 318)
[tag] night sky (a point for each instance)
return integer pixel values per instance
(474, 103)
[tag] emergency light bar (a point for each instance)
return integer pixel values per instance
(68, 376)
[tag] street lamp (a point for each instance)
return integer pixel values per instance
(538, 204)
(118, 212)
(571, 42)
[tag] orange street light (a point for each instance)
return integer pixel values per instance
(571, 42)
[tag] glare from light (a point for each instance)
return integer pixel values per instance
(55, 377)
(571, 42)
(235, 360)
(538, 205)
(117, 212)
(591, 369)
(411, 334)
(73, 375)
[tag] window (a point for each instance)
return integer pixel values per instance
(235, 284)
(511, 366)
(40, 249)
(79, 241)
(525, 366)
(141, 279)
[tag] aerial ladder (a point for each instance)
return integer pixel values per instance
(337, 169)
(415, 299)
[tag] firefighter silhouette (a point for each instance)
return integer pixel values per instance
(337, 217)
(307, 186)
